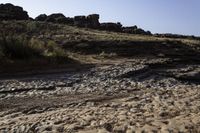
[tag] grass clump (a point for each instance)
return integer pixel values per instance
(17, 48)
(25, 48)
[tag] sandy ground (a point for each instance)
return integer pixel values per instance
(129, 96)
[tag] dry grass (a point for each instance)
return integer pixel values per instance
(48, 38)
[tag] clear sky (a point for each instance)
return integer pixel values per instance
(158, 16)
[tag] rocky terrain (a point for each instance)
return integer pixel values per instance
(10, 12)
(57, 77)
(129, 95)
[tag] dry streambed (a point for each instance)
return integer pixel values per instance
(137, 95)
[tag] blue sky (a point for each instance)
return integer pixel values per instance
(158, 16)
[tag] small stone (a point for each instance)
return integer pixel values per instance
(74, 127)
(60, 129)
(48, 128)
(130, 130)
(163, 114)
(119, 129)
(103, 131)
(58, 122)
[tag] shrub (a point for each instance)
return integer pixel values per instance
(52, 49)
(17, 48)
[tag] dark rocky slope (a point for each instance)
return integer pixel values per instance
(11, 12)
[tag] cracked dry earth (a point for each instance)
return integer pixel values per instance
(138, 95)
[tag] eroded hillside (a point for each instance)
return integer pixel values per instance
(84, 80)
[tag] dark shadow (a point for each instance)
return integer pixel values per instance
(179, 56)
(168, 49)
(41, 66)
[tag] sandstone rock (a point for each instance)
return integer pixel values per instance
(11, 12)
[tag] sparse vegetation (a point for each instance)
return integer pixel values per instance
(18, 48)
(22, 47)
(42, 41)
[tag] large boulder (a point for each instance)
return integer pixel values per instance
(80, 21)
(11, 12)
(41, 17)
(59, 18)
(90, 21)
(116, 27)
(93, 21)
(64, 20)
(54, 17)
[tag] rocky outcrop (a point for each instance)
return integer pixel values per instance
(135, 30)
(130, 30)
(55, 18)
(93, 21)
(80, 21)
(41, 17)
(117, 27)
(64, 20)
(90, 21)
(11, 12)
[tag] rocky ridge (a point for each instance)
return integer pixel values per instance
(11, 12)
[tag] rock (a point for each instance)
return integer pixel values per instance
(74, 127)
(163, 114)
(119, 129)
(130, 30)
(64, 20)
(135, 30)
(93, 21)
(108, 127)
(48, 128)
(117, 27)
(11, 12)
(130, 130)
(59, 129)
(80, 21)
(41, 17)
(103, 131)
(54, 17)
(90, 21)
